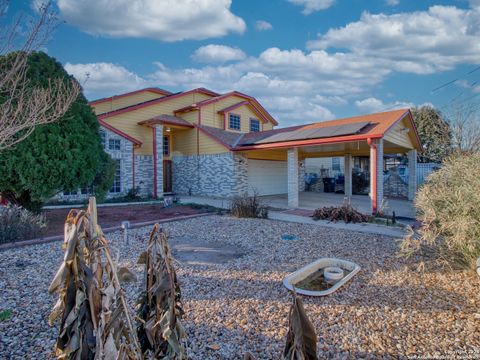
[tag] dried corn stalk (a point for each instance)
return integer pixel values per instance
(159, 309)
(95, 323)
(301, 338)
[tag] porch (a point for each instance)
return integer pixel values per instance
(314, 200)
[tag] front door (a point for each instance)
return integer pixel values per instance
(167, 176)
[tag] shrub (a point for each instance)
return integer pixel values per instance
(17, 223)
(448, 207)
(345, 212)
(248, 207)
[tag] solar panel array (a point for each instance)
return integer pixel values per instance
(317, 133)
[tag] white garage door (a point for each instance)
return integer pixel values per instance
(267, 177)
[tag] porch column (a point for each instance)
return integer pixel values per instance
(376, 174)
(292, 169)
(412, 174)
(348, 175)
(158, 161)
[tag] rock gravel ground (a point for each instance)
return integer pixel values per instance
(388, 310)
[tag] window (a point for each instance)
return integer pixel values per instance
(117, 181)
(254, 125)
(69, 193)
(336, 164)
(234, 122)
(114, 144)
(166, 145)
(85, 190)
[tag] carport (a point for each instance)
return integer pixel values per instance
(276, 158)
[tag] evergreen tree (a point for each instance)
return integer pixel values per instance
(434, 131)
(61, 156)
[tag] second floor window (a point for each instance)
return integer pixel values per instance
(254, 125)
(114, 144)
(166, 145)
(234, 122)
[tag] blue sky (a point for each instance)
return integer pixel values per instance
(305, 60)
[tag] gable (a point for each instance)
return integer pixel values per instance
(121, 101)
(211, 116)
(402, 134)
(128, 121)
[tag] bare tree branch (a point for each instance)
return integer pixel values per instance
(23, 106)
(464, 120)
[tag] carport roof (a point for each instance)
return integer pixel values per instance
(372, 126)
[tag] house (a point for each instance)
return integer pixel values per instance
(203, 143)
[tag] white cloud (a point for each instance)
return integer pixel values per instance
(372, 105)
(217, 54)
(392, 2)
(99, 79)
(421, 42)
(167, 20)
(310, 6)
(262, 25)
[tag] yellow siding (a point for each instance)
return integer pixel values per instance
(399, 137)
(118, 103)
(186, 143)
(267, 154)
(210, 146)
(191, 116)
(210, 116)
(127, 122)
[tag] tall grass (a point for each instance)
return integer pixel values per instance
(448, 206)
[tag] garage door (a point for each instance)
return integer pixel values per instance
(267, 177)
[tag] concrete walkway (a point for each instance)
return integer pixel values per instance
(283, 216)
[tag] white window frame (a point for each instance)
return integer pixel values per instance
(230, 121)
(257, 122)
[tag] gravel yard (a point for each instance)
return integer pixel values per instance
(387, 311)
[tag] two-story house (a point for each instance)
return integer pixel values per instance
(203, 143)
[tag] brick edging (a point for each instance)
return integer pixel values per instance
(105, 230)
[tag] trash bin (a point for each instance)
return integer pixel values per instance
(328, 184)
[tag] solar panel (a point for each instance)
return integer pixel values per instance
(317, 133)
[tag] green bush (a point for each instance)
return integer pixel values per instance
(448, 207)
(17, 223)
(248, 207)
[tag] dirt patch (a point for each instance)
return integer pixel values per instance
(192, 250)
(113, 215)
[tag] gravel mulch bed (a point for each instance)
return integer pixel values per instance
(388, 310)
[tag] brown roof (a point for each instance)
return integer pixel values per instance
(165, 119)
(372, 126)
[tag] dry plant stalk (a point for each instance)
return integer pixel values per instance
(301, 338)
(95, 322)
(23, 107)
(159, 310)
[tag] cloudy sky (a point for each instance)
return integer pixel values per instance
(305, 60)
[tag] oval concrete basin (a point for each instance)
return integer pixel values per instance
(301, 274)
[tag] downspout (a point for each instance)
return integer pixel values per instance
(373, 171)
(154, 131)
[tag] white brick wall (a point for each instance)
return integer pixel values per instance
(292, 169)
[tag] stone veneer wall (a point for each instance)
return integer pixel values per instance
(144, 174)
(218, 175)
